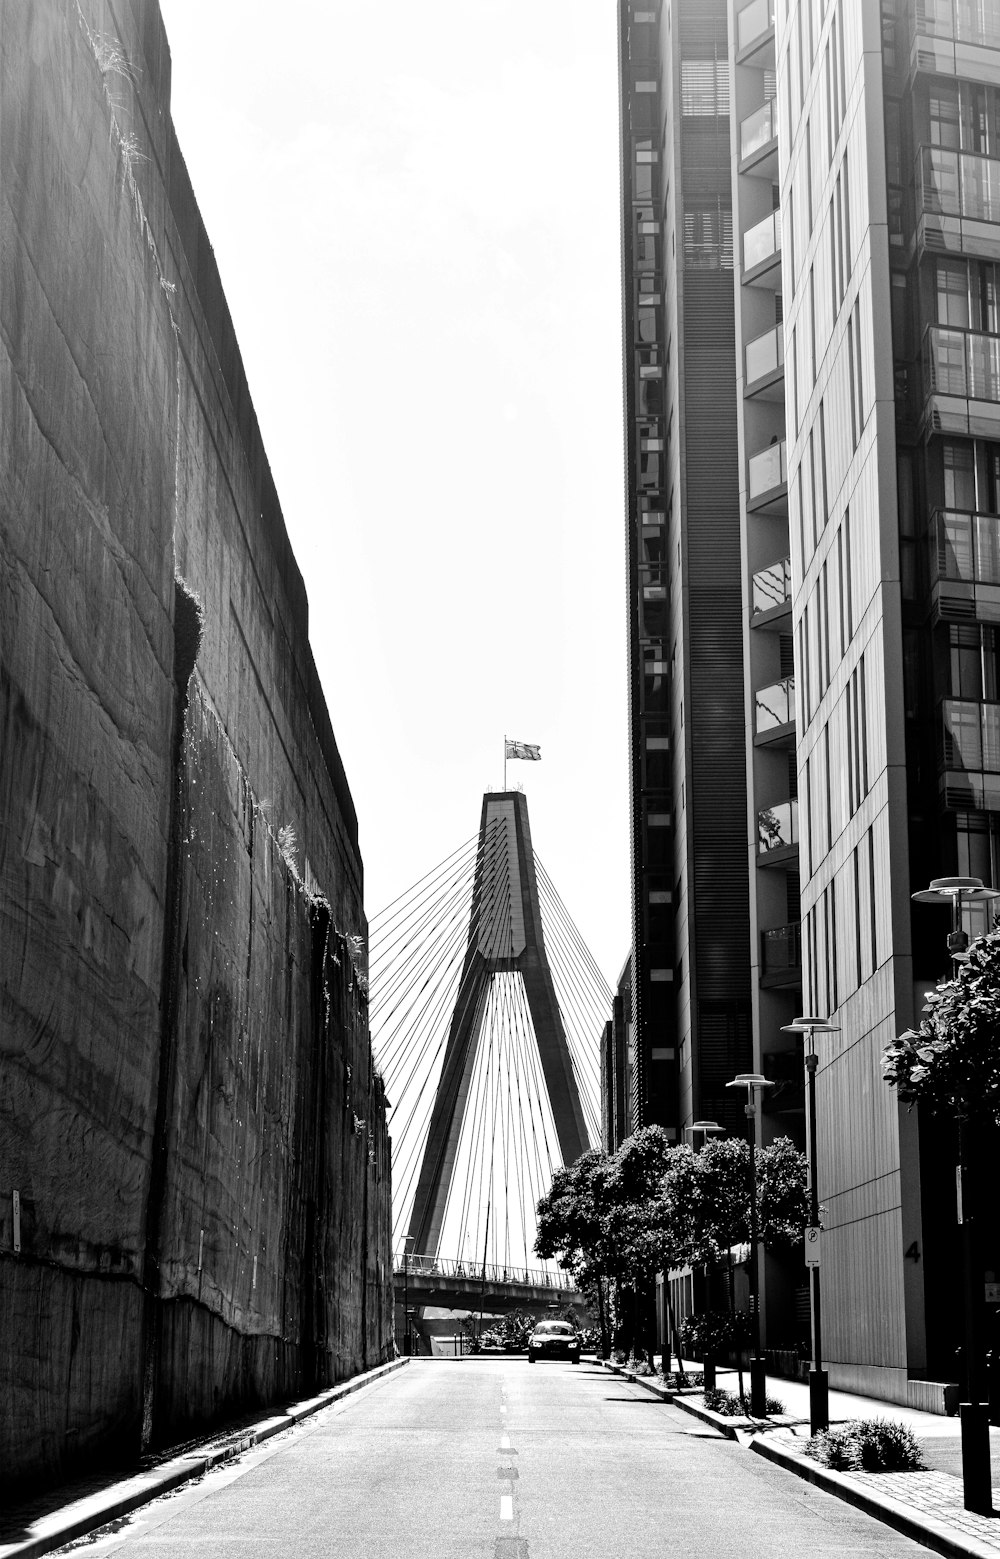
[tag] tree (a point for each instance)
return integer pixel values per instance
(653, 1206)
(595, 1220)
(951, 1062)
(704, 1204)
(571, 1217)
(633, 1239)
(705, 1199)
(571, 1226)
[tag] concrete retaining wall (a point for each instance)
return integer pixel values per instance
(188, 1108)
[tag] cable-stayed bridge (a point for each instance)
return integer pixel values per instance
(486, 1016)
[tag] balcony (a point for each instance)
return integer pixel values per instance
(755, 32)
(781, 955)
(965, 566)
(777, 832)
(774, 712)
(961, 382)
(958, 197)
(767, 479)
(772, 590)
(759, 139)
(764, 358)
(957, 38)
(762, 252)
(970, 754)
(971, 735)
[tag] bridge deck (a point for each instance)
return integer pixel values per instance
(458, 1285)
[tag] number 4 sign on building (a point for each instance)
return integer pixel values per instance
(813, 1246)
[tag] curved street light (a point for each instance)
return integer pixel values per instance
(754, 1082)
(819, 1387)
(706, 1128)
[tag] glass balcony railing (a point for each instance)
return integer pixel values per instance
(959, 184)
(971, 735)
(772, 586)
(965, 547)
(961, 362)
(759, 129)
(766, 470)
(754, 21)
(960, 21)
(777, 827)
(765, 354)
(774, 705)
(781, 949)
(762, 242)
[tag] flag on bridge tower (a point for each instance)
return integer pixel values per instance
(513, 749)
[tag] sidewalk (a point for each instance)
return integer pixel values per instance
(50, 1520)
(927, 1506)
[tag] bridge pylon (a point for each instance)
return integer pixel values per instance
(504, 937)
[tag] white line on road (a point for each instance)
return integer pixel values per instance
(505, 1442)
(506, 1507)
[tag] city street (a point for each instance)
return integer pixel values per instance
(498, 1458)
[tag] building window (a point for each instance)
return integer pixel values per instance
(973, 663)
(705, 88)
(959, 476)
(857, 916)
(708, 236)
(872, 901)
(943, 113)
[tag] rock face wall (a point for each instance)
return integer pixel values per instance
(188, 1109)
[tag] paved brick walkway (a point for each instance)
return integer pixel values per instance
(932, 1499)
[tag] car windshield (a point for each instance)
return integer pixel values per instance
(557, 1328)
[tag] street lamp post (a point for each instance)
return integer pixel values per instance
(974, 1412)
(705, 1129)
(407, 1341)
(819, 1388)
(752, 1081)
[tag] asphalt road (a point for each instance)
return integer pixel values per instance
(496, 1458)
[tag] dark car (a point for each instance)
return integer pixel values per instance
(554, 1340)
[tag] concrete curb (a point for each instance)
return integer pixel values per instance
(730, 1428)
(922, 1528)
(96, 1510)
(664, 1394)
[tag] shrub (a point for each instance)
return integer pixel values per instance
(729, 1405)
(725, 1402)
(867, 1445)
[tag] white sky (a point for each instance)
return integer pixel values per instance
(414, 209)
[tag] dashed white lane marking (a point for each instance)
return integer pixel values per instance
(505, 1442)
(506, 1507)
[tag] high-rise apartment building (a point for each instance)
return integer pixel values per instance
(689, 1026)
(864, 366)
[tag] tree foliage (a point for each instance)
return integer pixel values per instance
(711, 1332)
(571, 1218)
(653, 1206)
(951, 1062)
